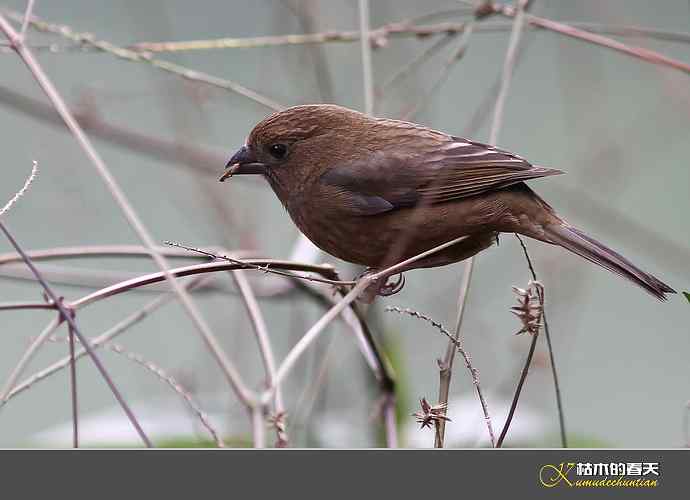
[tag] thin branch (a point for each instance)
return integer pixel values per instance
(444, 74)
(367, 70)
(474, 373)
(73, 390)
(265, 268)
(135, 56)
(518, 390)
(445, 372)
(96, 342)
(405, 70)
(568, 30)
(508, 68)
(379, 36)
(20, 193)
(310, 336)
(67, 316)
(173, 153)
(99, 251)
(531, 322)
(552, 360)
(264, 342)
(362, 284)
(229, 370)
(258, 426)
(380, 366)
(390, 425)
(169, 380)
(28, 356)
(25, 22)
(174, 385)
(15, 306)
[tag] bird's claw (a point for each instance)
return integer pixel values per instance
(381, 287)
(391, 288)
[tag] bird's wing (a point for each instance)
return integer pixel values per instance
(437, 172)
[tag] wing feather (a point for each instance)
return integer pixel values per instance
(442, 169)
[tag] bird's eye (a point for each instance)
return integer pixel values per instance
(278, 150)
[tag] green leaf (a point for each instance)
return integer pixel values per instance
(687, 295)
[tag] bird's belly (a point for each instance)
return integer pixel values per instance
(385, 239)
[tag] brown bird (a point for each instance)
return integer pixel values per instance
(375, 192)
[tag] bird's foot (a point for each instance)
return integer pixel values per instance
(391, 288)
(381, 286)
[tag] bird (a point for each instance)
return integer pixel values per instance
(376, 192)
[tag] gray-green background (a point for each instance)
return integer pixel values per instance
(617, 125)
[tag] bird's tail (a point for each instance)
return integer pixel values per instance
(579, 243)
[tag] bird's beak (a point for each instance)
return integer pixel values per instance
(243, 162)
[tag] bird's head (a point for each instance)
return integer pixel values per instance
(293, 144)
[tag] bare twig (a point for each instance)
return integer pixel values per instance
(686, 418)
(445, 72)
(379, 36)
(264, 268)
(258, 426)
(228, 369)
(108, 335)
(362, 284)
(508, 68)
(265, 349)
(169, 380)
(67, 316)
(407, 68)
(539, 290)
(73, 390)
(20, 193)
(474, 373)
(174, 153)
(98, 251)
(390, 425)
(367, 70)
(311, 335)
(552, 359)
(354, 319)
(28, 356)
(135, 56)
(445, 372)
(25, 22)
(565, 29)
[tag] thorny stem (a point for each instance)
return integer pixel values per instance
(455, 345)
(445, 372)
(20, 193)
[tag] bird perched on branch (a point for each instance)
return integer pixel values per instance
(376, 192)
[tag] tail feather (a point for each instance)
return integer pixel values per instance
(579, 243)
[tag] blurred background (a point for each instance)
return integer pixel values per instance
(619, 127)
